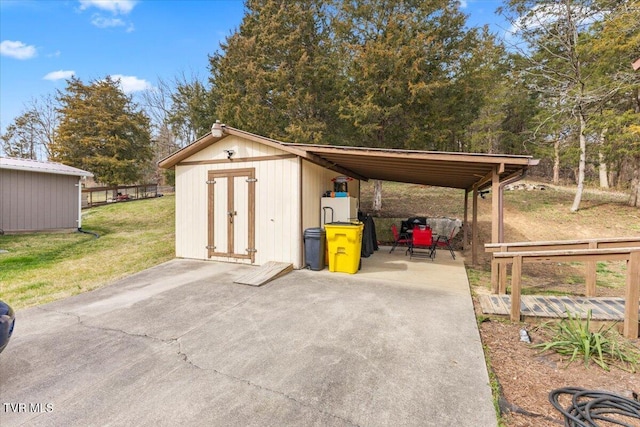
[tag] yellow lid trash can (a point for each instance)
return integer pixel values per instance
(344, 241)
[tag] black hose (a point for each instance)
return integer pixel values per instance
(587, 406)
(96, 235)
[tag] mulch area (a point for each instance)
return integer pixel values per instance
(526, 376)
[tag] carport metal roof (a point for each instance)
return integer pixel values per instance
(440, 169)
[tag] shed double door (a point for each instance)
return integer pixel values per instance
(231, 214)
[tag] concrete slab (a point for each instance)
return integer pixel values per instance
(181, 344)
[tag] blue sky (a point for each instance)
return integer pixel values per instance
(44, 42)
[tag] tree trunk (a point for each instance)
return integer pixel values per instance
(556, 162)
(581, 164)
(634, 200)
(377, 196)
(602, 169)
(604, 181)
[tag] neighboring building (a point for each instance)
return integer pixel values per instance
(39, 196)
(245, 198)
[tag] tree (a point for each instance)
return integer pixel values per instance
(404, 61)
(180, 111)
(102, 131)
(192, 109)
(31, 133)
(563, 63)
(615, 42)
(276, 74)
(19, 139)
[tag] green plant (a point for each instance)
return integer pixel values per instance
(573, 338)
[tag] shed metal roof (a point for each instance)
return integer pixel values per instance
(42, 167)
(441, 169)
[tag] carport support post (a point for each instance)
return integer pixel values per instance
(465, 226)
(475, 238)
(496, 207)
(498, 270)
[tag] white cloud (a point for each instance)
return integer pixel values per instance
(59, 75)
(130, 84)
(114, 6)
(463, 4)
(17, 49)
(102, 22)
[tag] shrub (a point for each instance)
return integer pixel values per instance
(573, 338)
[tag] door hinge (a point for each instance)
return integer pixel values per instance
(252, 179)
(251, 250)
(213, 181)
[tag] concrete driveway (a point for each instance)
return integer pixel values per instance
(182, 345)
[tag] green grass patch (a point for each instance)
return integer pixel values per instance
(43, 267)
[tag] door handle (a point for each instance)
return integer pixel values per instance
(231, 215)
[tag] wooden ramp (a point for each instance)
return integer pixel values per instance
(265, 273)
(602, 308)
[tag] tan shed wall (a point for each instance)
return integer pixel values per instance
(277, 225)
(316, 180)
(34, 201)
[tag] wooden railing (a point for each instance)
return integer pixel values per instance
(606, 250)
(499, 275)
(95, 196)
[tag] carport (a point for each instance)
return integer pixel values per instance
(471, 172)
(294, 175)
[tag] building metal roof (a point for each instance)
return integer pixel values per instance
(440, 169)
(29, 165)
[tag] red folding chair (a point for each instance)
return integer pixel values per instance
(398, 238)
(445, 242)
(422, 244)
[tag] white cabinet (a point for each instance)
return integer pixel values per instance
(338, 209)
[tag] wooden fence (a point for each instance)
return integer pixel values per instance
(97, 196)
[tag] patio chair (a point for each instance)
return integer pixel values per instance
(422, 244)
(399, 238)
(445, 241)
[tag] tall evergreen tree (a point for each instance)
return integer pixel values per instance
(404, 60)
(615, 44)
(102, 131)
(274, 76)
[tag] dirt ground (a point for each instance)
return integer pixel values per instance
(525, 377)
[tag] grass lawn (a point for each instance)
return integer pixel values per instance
(40, 268)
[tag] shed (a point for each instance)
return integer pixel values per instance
(245, 198)
(39, 196)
